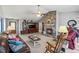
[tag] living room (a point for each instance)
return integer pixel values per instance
(36, 28)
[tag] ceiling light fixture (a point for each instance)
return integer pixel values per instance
(39, 12)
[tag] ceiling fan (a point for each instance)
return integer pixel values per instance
(39, 13)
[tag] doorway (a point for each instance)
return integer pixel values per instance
(14, 23)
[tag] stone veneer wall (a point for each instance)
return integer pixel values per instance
(49, 21)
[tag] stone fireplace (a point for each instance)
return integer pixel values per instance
(49, 31)
(49, 23)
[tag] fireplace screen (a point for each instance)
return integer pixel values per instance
(49, 31)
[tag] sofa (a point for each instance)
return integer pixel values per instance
(26, 48)
(18, 46)
(4, 48)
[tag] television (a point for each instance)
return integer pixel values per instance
(32, 26)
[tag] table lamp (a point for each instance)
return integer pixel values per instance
(9, 29)
(62, 30)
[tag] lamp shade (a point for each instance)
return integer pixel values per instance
(62, 29)
(9, 28)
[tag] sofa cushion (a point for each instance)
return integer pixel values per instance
(11, 41)
(15, 48)
(19, 43)
(15, 42)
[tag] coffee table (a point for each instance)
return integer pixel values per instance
(35, 40)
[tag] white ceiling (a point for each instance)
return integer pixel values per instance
(24, 11)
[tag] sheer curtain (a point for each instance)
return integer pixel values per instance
(1, 24)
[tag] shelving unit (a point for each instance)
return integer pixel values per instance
(30, 27)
